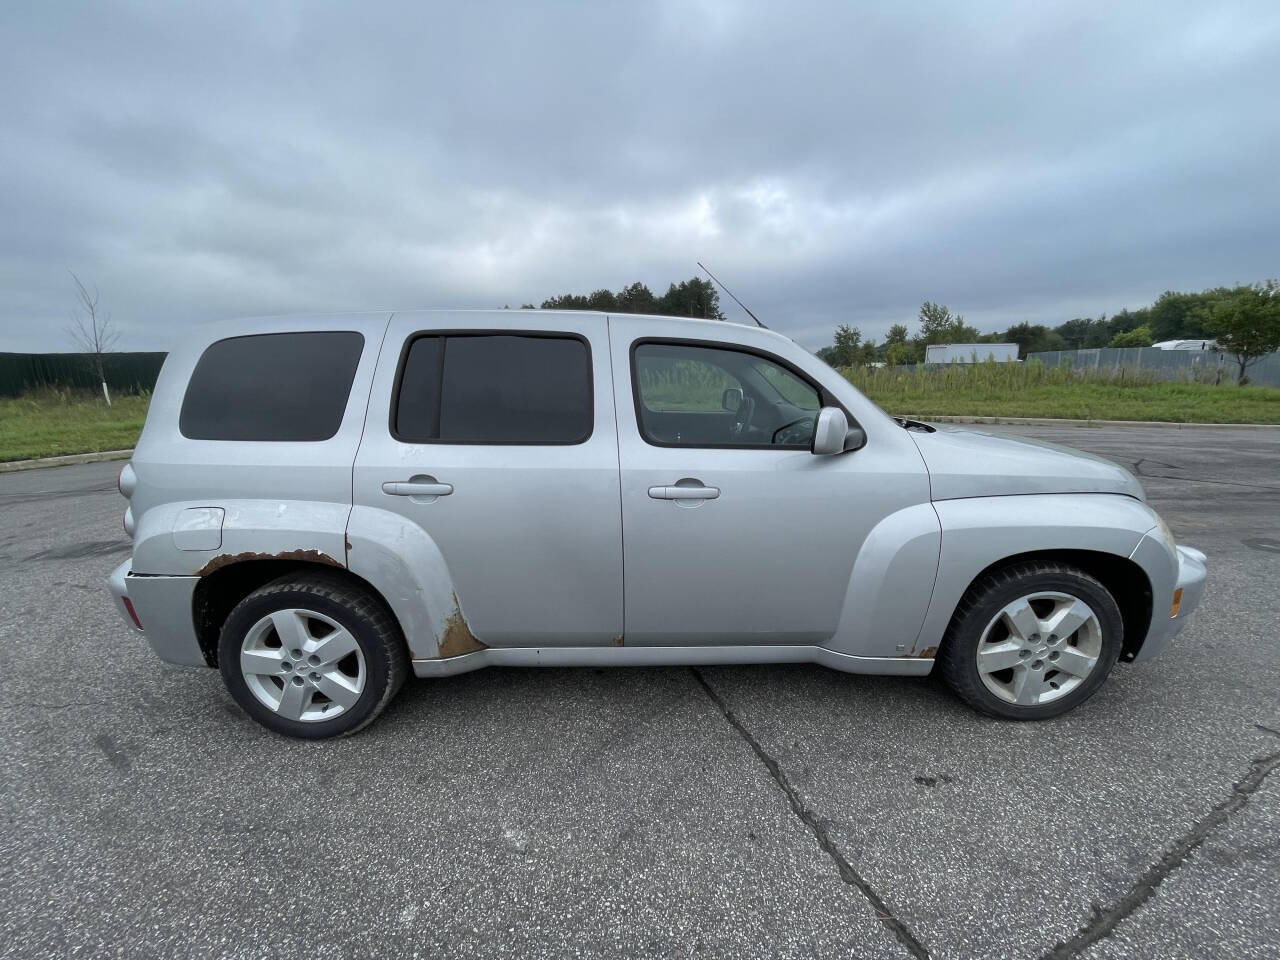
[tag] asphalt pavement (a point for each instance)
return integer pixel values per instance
(720, 812)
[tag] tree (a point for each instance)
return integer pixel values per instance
(897, 348)
(939, 325)
(1181, 316)
(1137, 337)
(636, 298)
(898, 333)
(566, 301)
(1032, 338)
(691, 298)
(92, 330)
(846, 345)
(935, 321)
(868, 354)
(1099, 333)
(1074, 332)
(1247, 324)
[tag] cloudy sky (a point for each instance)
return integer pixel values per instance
(834, 162)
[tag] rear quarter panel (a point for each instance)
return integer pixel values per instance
(278, 497)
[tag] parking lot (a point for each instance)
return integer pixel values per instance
(715, 812)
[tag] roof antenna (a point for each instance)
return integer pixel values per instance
(730, 293)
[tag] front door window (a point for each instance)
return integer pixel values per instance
(695, 396)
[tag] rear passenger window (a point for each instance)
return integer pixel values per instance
(272, 386)
(495, 388)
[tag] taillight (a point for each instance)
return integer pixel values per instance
(128, 522)
(127, 481)
(133, 614)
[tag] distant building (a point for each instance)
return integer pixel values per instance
(1185, 345)
(971, 352)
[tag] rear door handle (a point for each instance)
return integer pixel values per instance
(684, 493)
(416, 488)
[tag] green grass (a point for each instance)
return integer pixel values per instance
(1030, 390)
(49, 423)
(53, 422)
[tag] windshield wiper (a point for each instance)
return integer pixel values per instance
(916, 425)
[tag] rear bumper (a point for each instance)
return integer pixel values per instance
(1190, 579)
(163, 606)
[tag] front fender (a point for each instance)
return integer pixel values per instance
(981, 531)
(404, 564)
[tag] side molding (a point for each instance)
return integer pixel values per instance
(669, 656)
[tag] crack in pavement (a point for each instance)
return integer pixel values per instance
(44, 495)
(1267, 729)
(1146, 475)
(816, 826)
(1145, 887)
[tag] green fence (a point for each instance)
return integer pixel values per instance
(20, 372)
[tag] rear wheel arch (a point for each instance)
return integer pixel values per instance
(218, 593)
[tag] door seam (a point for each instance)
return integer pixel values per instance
(364, 424)
(621, 638)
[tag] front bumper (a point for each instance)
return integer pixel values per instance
(1192, 571)
(164, 611)
(1189, 577)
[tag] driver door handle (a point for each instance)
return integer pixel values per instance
(684, 493)
(416, 488)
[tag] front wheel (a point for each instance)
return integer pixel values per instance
(1032, 641)
(312, 656)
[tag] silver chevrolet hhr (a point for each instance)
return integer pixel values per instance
(321, 504)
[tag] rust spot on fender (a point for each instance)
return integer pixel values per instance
(457, 638)
(619, 640)
(928, 653)
(305, 556)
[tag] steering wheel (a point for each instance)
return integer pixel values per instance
(805, 422)
(746, 410)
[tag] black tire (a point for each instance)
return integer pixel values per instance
(356, 609)
(958, 656)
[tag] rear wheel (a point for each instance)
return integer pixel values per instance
(312, 656)
(1032, 641)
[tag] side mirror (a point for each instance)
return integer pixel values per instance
(731, 399)
(830, 431)
(855, 439)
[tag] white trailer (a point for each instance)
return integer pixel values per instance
(971, 352)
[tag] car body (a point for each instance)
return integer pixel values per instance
(561, 488)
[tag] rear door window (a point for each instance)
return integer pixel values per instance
(495, 389)
(272, 386)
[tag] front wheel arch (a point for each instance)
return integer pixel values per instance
(1124, 579)
(980, 667)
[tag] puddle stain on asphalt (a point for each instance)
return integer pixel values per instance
(120, 756)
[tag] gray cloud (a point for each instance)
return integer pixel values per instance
(833, 164)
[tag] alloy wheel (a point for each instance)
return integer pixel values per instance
(1039, 648)
(303, 665)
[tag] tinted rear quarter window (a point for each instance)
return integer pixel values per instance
(495, 388)
(272, 386)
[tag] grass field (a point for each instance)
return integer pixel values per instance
(53, 422)
(1030, 390)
